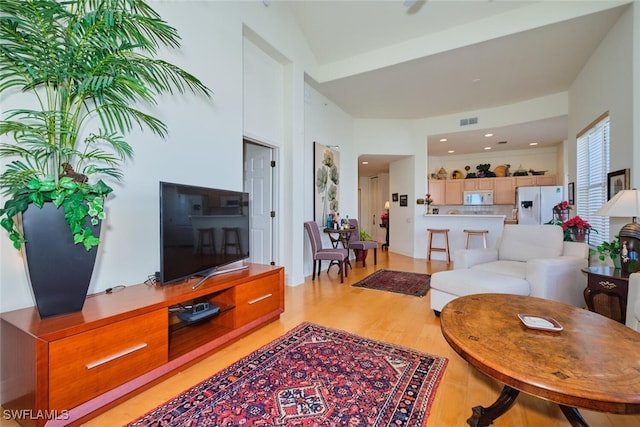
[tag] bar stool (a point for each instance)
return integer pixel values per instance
(470, 233)
(206, 239)
(231, 238)
(431, 248)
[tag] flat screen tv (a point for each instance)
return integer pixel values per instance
(201, 230)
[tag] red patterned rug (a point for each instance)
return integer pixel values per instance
(402, 282)
(312, 376)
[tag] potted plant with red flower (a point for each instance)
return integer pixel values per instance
(384, 218)
(576, 229)
(561, 210)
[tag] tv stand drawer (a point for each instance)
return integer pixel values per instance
(88, 364)
(258, 298)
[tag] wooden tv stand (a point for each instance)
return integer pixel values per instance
(79, 364)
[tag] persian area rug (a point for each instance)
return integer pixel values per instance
(312, 376)
(401, 282)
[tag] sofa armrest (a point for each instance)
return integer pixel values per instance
(467, 258)
(559, 279)
(633, 300)
(577, 249)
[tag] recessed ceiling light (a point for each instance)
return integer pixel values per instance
(488, 135)
(533, 143)
(476, 80)
(451, 151)
(487, 148)
(443, 139)
(365, 163)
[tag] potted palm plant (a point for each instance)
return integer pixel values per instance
(81, 68)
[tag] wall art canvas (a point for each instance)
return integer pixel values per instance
(618, 181)
(326, 182)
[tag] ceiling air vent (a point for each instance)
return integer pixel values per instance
(502, 142)
(469, 121)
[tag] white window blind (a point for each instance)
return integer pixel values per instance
(592, 166)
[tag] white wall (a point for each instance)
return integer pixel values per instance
(604, 84)
(204, 145)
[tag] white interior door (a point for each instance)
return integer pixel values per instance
(258, 182)
(374, 196)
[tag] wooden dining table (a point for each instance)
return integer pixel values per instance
(583, 360)
(339, 236)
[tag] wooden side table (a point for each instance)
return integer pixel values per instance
(606, 292)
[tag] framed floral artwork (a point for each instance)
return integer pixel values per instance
(326, 182)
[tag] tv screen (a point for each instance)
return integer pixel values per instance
(201, 229)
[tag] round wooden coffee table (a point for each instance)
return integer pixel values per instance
(592, 363)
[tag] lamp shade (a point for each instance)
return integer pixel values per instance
(625, 203)
(386, 204)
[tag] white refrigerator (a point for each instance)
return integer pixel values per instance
(535, 204)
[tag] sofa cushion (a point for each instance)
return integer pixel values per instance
(525, 242)
(508, 268)
(468, 282)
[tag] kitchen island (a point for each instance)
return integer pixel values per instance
(456, 225)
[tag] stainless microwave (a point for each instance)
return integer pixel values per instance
(478, 198)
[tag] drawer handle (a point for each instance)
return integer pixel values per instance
(116, 356)
(253, 301)
(606, 284)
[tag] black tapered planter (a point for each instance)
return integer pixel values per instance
(59, 270)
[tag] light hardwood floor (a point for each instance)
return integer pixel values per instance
(395, 318)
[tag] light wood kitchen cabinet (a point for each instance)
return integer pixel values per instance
(472, 184)
(525, 181)
(436, 189)
(531, 180)
(545, 180)
(453, 191)
(504, 191)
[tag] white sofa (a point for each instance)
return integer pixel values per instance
(633, 302)
(529, 260)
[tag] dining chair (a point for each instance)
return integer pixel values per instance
(361, 245)
(339, 255)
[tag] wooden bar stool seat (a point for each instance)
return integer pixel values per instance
(206, 240)
(430, 248)
(470, 233)
(231, 239)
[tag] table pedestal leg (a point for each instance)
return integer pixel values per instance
(483, 417)
(573, 416)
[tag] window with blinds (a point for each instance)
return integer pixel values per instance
(591, 180)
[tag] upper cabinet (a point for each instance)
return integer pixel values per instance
(504, 191)
(453, 191)
(436, 189)
(450, 191)
(478, 184)
(546, 180)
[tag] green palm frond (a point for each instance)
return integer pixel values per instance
(80, 60)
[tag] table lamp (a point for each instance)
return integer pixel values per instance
(386, 206)
(626, 203)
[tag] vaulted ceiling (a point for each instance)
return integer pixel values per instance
(381, 59)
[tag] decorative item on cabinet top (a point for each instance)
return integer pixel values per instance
(456, 174)
(501, 170)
